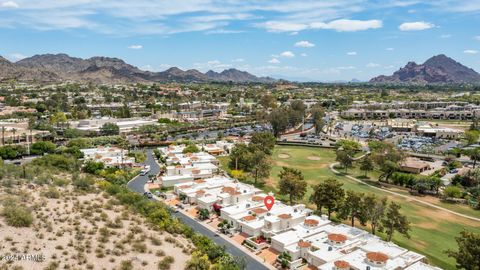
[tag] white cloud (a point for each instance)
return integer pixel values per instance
(212, 64)
(135, 47)
(274, 61)
(389, 49)
(345, 25)
(238, 60)
(351, 53)
(303, 54)
(287, 54)
(274, 26)
(9, 4)
(346, 68)
(223, 31)
(445, 36)
(470, 51)
(304, 44)
(14, 57)
(372, 65)
(415, 26)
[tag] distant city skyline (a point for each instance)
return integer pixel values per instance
(298, 40)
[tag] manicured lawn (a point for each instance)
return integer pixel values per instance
(433, 231)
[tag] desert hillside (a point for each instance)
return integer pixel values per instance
(71, 228)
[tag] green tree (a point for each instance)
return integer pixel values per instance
(329, 195)
(203, 214)
(278, 119)
(239, 157)
(474, 155)
(366, 165)
(388, 168)
(344, 158)
(353, 208)
(374, 211)
(268, 101)
(317, 116)
(472, 136)
(260, 165)
(58, 119)
(452, 192)
(191, 148)
(264, 141)
(395, 221)
(93, 167)
(42, 147)
(348, 145)
(292, 184)
(109, 129)
(468, 254)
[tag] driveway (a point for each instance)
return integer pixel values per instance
(137, 184)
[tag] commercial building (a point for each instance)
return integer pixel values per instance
(414, 165)
(124, 124)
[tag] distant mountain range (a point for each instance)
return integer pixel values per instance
(62, 67)
(439, 69)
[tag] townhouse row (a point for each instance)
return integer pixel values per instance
(183, 167)
(293, 230)
(448, 114)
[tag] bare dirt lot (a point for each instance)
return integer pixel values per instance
(80, 230)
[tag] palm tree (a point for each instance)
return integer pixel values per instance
(203, 214)
(14, 130)
(474, 155)
(3, 135)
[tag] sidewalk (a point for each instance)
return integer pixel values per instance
(226, 238)
(332, 168)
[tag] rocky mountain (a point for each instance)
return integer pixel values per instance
(439, 69)
(235, 75)
(62, 67)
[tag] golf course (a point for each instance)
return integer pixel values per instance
(433, 230)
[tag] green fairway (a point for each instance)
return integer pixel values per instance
(433, 230)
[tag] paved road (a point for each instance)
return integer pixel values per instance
(137, 184)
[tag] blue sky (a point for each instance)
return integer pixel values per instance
(295, 39)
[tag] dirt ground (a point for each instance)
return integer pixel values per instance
(87, 231)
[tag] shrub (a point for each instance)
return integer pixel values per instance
(93, 167)
(51, 193)
(126, 265)
(17, 216)
(165, 263)
(40, 148)
(83, 183)
(453, 192)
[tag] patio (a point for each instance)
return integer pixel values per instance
(269, 255)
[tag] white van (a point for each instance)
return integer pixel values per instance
(145, 170)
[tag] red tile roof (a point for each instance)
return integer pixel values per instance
(336, 237)
(377, 257)
(249, 218)
(304, 244)
(285, 216)
(342, 264)
(311, 222)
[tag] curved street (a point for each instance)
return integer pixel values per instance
(137, 184)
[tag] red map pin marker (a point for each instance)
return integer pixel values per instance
(269, 201)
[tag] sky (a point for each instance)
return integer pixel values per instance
(307, 40)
